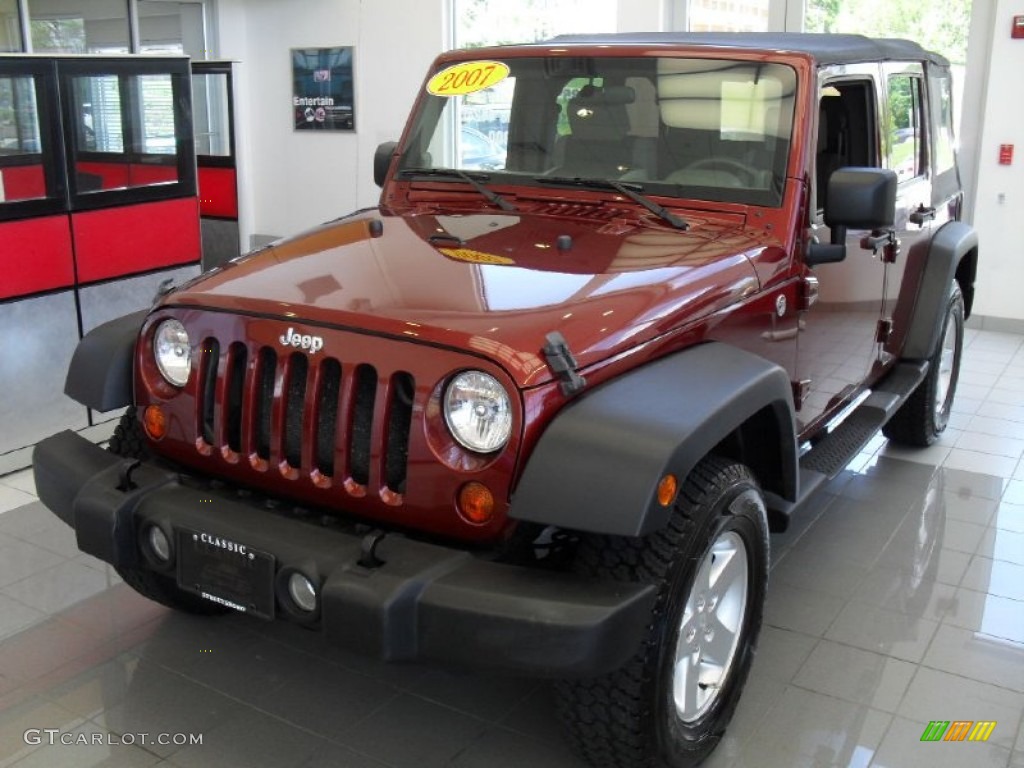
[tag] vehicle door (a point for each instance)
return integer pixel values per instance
(907, 148)
(838, 345)
(929, 193)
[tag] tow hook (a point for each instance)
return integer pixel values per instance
(368, 558)
(124, 475)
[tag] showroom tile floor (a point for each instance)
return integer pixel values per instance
(896, 599)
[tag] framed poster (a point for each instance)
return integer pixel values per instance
(322, 89)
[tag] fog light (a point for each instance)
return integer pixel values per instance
(302, 592)
(155, 422)
(158, 543)
(476, 503)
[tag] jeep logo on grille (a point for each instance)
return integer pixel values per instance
(292, 339)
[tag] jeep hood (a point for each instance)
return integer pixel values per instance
(492, 284)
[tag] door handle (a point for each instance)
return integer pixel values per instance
(921, 215)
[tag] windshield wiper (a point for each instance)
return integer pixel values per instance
(473, 180)
(632, 191)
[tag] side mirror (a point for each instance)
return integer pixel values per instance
(382, 161)
(858, 198)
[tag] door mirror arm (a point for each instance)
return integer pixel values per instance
(886, 240)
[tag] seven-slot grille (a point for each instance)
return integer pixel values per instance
(313, 416)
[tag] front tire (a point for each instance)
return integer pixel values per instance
(670, 704)
(924, 416)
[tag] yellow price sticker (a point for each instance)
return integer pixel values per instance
(467, 77)
(475, 257)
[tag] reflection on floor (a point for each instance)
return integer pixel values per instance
(896, 599)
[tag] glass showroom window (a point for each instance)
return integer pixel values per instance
(99, 26)
(728, 15)
(170, 28)
(10, 27)
(941, 27)
(496, 22)
(482, 118)
(103, 26)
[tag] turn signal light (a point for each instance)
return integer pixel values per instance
(154, 421)
(476, 503)
(667, 488)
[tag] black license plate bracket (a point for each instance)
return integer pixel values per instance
(226, 572)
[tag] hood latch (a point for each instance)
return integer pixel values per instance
(563, 364)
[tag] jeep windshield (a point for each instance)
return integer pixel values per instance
(696, 128)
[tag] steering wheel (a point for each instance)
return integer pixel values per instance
(743, 172)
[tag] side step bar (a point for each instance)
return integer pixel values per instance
(835, 450)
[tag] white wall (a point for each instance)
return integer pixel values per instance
(999, 199)
(291, 180)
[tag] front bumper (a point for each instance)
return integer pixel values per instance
(423, 601)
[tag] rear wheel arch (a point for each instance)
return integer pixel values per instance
(966, 272)
(952, 255)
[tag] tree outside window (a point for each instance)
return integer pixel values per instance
(940, 27)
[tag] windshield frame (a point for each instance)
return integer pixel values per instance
(557, 67)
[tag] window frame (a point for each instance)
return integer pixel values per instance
(914, 72)
(522, 136)
(946, 181)
(868, 77)
(218, 69)
(179, 70)
(43, 73)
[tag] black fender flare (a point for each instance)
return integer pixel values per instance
(597, 466)
(953, 241)
(100, 374)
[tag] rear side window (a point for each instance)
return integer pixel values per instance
(946, 184)
(906, 137)
(942, 115)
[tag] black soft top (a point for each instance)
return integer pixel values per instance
(825, 48)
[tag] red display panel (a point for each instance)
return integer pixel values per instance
(35, 255)
(113, 175)
(117, 175)
(113, 242)
(23, 182)
(218, 194)
(139, 174)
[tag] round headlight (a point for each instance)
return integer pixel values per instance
(171, 349)
(477, 411)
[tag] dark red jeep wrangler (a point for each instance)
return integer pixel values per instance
(625, 303)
